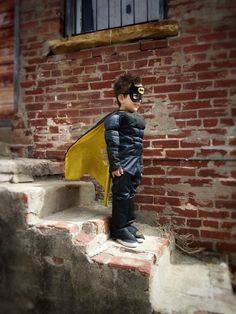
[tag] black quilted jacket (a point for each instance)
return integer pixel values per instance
(124, 137)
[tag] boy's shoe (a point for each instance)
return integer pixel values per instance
(124, 237)
(136, 233)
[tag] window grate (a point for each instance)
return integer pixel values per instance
(82, 16)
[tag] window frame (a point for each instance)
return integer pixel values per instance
(75, 26)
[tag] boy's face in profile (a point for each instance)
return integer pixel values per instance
(132, 100)
(126, 103)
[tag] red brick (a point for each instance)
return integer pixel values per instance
(219, 36)
(197, 85)
(186, 143)
(228, 224)
(225, 64)
(210, 173)
(37, 91)
(181, 171)
(227, 121)
(165, 52)
(153, 44)
(154, 171)
(167, 200)
(225, 204)
(215, 235)
(178, 221)
(213, 214)
(167, 88)
(196, 105)
(65, 80)
(201, 202)
(212, 75)
(153, 152)
(197, 67)
(205, 113)
(91, 61)
(181, 134)
(232, 54)
(114, 66)
(47, 114)
(100, 85)
(195, 223)
(224, 246)
(146, 180)
(233, 112)
(211, 223)
(163, 181)
(212, 94)
(197, 48)
(67, 97)
(153, 190)
(144, 199)
(166, 143)
(35, 106)
(180, 153)
(225, 83)
(131, 264)
(111, 75)
(55, 154)
(182, 96)
(184, 212)
(38, 122)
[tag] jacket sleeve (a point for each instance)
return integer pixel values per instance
(112, 125)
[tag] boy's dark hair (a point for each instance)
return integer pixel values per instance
(122, 84)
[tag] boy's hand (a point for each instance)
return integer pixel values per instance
(117, 173)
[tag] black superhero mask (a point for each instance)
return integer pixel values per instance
(136, 92)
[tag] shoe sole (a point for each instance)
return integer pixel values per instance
(127, 244)
(140, 240)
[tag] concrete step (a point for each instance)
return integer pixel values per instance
(129, 269)
(88, 226)
(65, 237)
(27, 169)
(43, 198)
(159, 285)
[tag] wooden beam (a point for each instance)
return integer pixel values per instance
(113, 36)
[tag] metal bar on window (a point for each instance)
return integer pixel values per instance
(69, 17)
(87, 16)
(78, 18)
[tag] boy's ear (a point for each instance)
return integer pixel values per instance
(121, 98)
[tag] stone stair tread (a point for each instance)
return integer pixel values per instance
(40, 184)
(201, 287)
(35, 167)
(90, 221)
(140, 258)
(77, 215)
(43, 198)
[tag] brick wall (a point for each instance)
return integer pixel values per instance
(189, 107)
(6, 58)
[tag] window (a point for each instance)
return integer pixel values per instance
(83, 16)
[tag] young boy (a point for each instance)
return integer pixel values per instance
(124, 131)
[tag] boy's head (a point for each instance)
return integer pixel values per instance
(128, 91)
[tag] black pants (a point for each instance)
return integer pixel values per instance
(123, 191)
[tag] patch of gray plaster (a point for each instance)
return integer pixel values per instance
(162, 122)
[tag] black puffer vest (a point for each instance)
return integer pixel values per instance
(124, 137)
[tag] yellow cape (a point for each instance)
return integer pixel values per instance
(88, 155)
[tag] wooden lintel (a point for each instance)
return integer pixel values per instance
(114, 36)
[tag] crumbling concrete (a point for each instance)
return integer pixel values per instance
(27, 169)
(56, 257)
